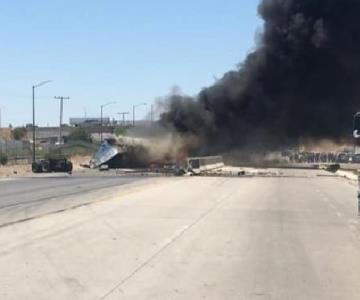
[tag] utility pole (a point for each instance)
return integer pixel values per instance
(152, 115)
(123, 116)
(133, 115)
(135, 106)
(61, 98)
(101, 118)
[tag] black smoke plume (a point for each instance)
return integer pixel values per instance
(302, 81)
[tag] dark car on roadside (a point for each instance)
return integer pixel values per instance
(355, 159)
(57, 165)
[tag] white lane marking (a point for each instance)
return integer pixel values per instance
(353, 222)
(340, 215)
(352, 227)
(7, 179)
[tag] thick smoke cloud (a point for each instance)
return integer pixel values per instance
(302, 81)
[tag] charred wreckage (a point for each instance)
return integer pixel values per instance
(117, 154)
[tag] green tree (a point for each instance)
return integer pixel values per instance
(121, 131)
(79, 134)
(19, 133)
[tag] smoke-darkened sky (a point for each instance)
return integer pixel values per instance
(302, 81)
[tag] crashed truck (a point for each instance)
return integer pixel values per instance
(52, 164)
(131, 153)
(117, 154)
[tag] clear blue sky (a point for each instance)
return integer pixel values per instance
(112, 50)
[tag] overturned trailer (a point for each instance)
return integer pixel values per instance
(116, 154)
(135, 154)
(106, 152)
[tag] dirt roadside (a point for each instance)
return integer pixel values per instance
(15, 170)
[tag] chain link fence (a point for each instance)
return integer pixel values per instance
(16, 152)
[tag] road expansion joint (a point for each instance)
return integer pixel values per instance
(169, 242)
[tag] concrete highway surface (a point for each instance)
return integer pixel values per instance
(30, 197)
(296, 236)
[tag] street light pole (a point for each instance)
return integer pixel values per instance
(101, 118)
(33, 115)
(33, 127)
(135, 106)
(101, 122)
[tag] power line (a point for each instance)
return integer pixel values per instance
(123, 116)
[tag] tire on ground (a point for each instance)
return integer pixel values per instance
(36, 167)
(45, 167)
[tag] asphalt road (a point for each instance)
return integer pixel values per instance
(29, 197)
(291, 237)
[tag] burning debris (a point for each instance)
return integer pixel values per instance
(300, 82)
(198, 165)
(135, 154)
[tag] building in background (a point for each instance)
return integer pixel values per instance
(89, 122)
(48, 135)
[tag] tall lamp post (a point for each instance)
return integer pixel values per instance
(101, 118)
(33, 113)
(135, 106)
